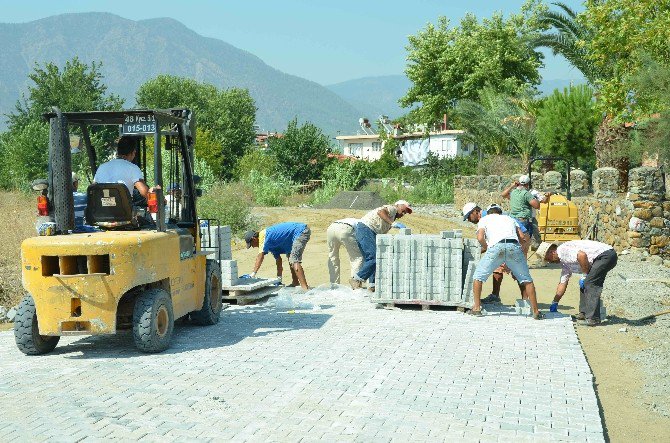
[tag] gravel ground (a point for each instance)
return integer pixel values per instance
(627, 301)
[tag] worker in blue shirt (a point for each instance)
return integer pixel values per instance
(289, 238)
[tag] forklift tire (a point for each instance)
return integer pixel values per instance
(27, 333)
(212, 301)
(153, 321)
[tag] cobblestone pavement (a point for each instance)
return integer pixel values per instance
(344, 372)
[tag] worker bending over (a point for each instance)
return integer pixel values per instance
(594, 260)
(342, 233)
(499, 237)
(377, 221)
(289, 238)
(473, 213)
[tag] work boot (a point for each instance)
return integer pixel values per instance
(595, 321)
(491, 298)
(355, 284)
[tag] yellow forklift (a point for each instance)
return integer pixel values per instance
(557, 218)
(134, 267)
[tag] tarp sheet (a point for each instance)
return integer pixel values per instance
(415, 152)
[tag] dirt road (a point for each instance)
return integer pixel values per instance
(618, 381)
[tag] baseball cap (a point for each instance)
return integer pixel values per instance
(248, 236)
(75, 177)
(524, 179)
(492, 206)
(467, 209)
(543, 248)
(404, 202)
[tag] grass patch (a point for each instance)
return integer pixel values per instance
(16, 224)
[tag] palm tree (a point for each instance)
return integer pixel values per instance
(567, 39)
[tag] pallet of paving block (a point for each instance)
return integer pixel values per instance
(425, 304)
(246, 297)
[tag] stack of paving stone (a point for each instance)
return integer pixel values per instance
(217, 238)
(425, 269)
(240, 290)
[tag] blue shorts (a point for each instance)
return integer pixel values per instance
(527, 225)
(508, 253)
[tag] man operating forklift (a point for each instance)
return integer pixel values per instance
(122, 169)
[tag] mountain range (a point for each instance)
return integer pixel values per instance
(132, 52)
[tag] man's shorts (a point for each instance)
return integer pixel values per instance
(508, 253)
(528, 226)
(298, 246)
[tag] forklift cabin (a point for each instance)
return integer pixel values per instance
(136, 268)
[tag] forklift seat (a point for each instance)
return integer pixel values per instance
(110, 206)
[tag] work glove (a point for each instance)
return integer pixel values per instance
(581, 283)
(398, 225)
(252, 275)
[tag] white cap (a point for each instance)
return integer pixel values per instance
(524, 179)
(543, 248)
(467, 209)
(403, 202)
(75, 177)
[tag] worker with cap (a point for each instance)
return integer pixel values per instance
(594, 260)
(499, 237)
(522, 203)
(377, 221)
(289, 238)
(342, 233)
(473, 213)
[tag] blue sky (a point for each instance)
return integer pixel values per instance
(323, 41)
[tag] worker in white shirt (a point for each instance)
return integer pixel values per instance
(591, 258)
(123, 170)
(499, 236)
(342, 233)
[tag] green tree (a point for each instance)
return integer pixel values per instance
(499, 123)
(566, 124)
(567, 35)
(228, 115)
(302, 152)
(75, 87)
(447, 64)
(623, 35)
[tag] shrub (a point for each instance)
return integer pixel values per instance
(269, 191)
(341, 176)
(228, 203)
(302, 151)
(256, 160)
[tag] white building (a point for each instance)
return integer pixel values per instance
(414, 147)
(364, 146)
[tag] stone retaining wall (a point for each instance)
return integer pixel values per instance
(604, 212)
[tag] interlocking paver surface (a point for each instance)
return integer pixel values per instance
(345, 372)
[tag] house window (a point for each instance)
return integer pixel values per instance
(377, 146)
(356, 149)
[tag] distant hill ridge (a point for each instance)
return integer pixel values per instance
(134, 51)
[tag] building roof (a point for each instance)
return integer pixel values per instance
(358, 137)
